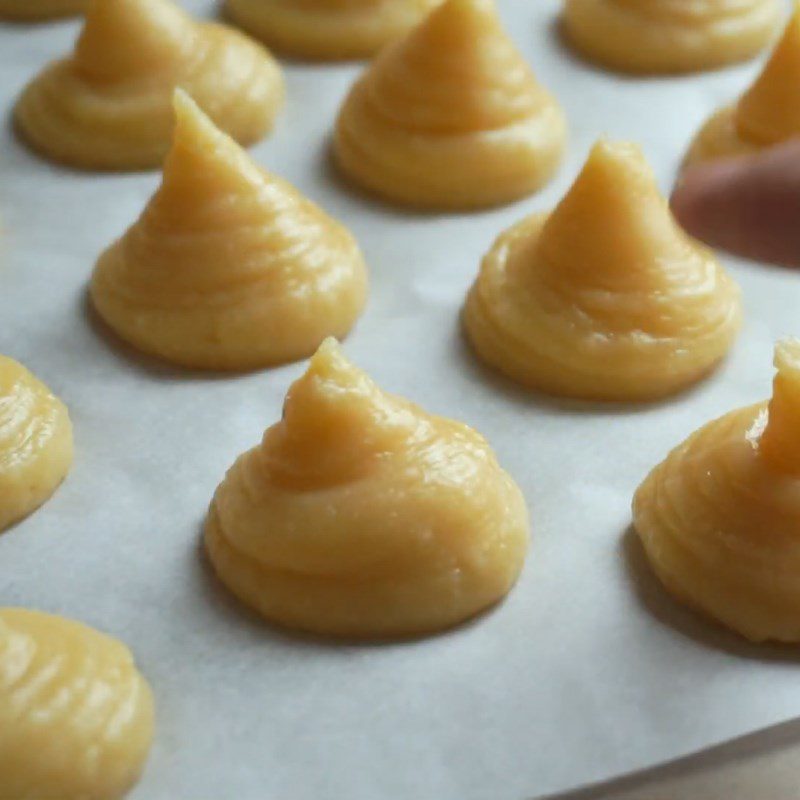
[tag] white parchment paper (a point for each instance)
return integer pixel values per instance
(587, 671)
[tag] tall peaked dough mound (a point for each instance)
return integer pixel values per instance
(669, 36)
(605, 298)
(108, 105)
(32, 10)
(35, 443)
(768, 113)
(361, 515)
(450, 116)
(328, 29)
(76, 715)
(228, 267)
(720, 517)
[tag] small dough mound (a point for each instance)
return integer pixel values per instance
(361, 515)
(450, 116)
(108, 105)
(767, 114)
(670, 36)
(328, 29)
(33, 10)
(228, 267)
(720, 517)
(35, 443)
(605, 298)
(75, 714)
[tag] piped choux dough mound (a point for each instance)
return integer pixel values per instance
(76, 715)
(670, 36)
(328, 29)
(360, 515)
(450, 116)
(768, 113)
(228, 267)
(35, 443)
(34, 10)
(108, 105)
(720, 517)
(605, 298)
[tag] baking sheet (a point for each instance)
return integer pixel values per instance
(586, 672)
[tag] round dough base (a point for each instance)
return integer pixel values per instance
(340, 608)
(458, 172)
(331, 36)
(606, 33)
(719, 138)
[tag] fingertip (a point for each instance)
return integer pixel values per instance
(747, 205)
(700, 181)
(701, 199)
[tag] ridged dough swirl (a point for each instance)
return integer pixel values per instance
(108, 105)
(361, 515)
(35, 442)
(720, 517)
(228, 267)
(668, 36)
(605, 298)
(76, 717)
(768, 113)
(328, 29)
(451, 116)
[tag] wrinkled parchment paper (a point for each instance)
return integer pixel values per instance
(586, 672)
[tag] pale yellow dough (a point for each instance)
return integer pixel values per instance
(450, 116)
(35, 442)
(76, 717)
(605, 298)
(108, 105)
(33, 10)
(328, 29)
(228, 267)
(720, 517)
(361, 515)
(767, 114)
(670, 36)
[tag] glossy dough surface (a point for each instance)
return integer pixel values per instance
(40, 9)
(108, 105)
(720, 517)
(450, 116)
(605, 298)
(361, 515)
(76, 717)
(228, 267)
(35, 442)
(328, 29)
(768, 113)
(664, 36)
